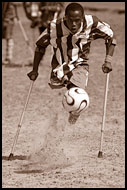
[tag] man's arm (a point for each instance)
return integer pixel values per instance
(110, 47)
(41, 44)
(103, 30)
(37, 58)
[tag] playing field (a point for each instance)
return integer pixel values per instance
(50, 152)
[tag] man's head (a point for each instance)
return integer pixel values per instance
(74, 16)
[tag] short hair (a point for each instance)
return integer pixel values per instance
(74, 7)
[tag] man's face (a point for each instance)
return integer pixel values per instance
(73, 20)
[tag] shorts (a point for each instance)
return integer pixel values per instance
(78, 76)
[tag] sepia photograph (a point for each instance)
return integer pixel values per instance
(63, 94)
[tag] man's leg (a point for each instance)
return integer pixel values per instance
(79, 79)
(9, 42)
(9, 51)
(73, 117)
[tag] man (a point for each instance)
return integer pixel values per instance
(41, 13)
(71, 38)
(47, 13)
(8, 20)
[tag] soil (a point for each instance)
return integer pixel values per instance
(50, 152)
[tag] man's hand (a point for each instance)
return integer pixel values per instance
(107, 67)
(58, 71)
(33, 75)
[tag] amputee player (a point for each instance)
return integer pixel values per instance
(71, 37)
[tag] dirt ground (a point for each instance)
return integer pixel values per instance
(50, 152)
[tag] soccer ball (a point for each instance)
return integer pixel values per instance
(75, 100)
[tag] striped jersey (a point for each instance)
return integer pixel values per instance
(74, 48)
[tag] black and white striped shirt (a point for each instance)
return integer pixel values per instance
(70, 48)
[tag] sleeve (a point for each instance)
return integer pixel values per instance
(103, 30)
(43, 41)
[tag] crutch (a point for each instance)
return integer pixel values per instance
(20, 123)
(24, 34)
(100, 154)
(25, 37)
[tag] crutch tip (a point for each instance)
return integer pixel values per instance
(100, 154)
(10, 156)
